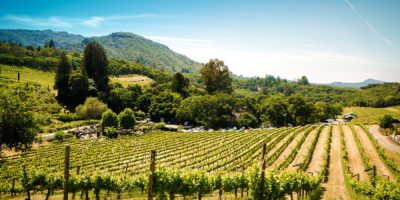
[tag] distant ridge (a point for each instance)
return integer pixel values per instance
(119, 45)
(356, 84)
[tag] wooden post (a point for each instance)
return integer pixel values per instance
(25, 184)
(18, 76)
(262, 171)
(78, 169)
(13, 187)
(66, 172)
(152, 170)
(374, 171)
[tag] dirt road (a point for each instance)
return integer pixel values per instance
(384, 141)
(303, 150)
(318, 155)
(372, 154)
(335, 187)
(355, 160)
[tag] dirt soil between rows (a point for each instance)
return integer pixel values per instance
(336, 186)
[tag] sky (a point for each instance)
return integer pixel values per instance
(330, 40)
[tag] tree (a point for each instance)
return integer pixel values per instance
(386, 121)
(216, 77)
(127, 118)
(95, 63)
(18, 127)
(62, 78)
(164, 106)
(300, 110)
(304, 81)
(214, 111)
(275, 110)
(180, 84)
(109, 119)
(246, 120)
(79, 88)
(91, 109)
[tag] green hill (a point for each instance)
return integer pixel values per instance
(121, 45)
(356, 84)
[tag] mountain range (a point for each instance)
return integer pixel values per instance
(356, 84)
(120, 45)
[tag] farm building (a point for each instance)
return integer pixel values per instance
(349, 116)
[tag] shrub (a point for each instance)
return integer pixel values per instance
(386, 121)
(67, 117)
(91, 109)
(127, 118)
(109, 119)
(110, 132)
(59, 136)
(160, 125)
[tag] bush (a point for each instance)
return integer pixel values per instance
(127, 118)
(110, 132)
(158, 126)
(68, 117)
(59, 136)
(109, 119)
(386, 121)
(91, 109)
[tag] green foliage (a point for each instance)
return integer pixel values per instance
(120, 98)
(109, 119)
(159, 126)
(68, 117)
(127, 118)
(386, 121)
(110, 132)
(18, 127)
(180, 84)
(91, 109)
(214, 111)
(275, 110)
(95, 63)
(79, 88)
(59, 136)
(62, 78)
(122, 67)
(164, 106)
(216, 77)
(246, 120)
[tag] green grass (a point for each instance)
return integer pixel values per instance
(367, 115)
(46, 79)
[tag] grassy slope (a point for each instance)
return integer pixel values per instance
(368, 115)
(46, 79)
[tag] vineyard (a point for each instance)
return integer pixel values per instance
(367, 115)
(299, 162)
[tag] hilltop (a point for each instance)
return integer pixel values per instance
(120, 45)
(356, 84)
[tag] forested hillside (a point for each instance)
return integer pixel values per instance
(127, 46)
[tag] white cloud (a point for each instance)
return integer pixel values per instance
(93, 21)
(175, 39)
(370, 26)
(42, 22)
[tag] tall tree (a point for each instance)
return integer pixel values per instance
(18, 127)
(216, 77)
(95, 63)
(79, 87)
(180, 84)
(62, 78)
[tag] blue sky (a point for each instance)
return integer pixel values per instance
(332, 40)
